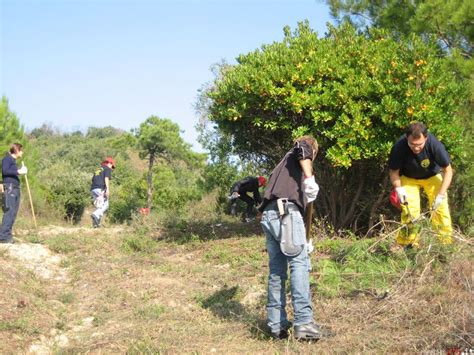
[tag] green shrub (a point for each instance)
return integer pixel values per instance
(138, 244)
(355, 92)
(60, 244)
(357, 267)
(67, 189)
(128, 193)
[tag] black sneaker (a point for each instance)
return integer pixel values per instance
(310, 331)
(95, 221)
(282, 334)
(7, 241)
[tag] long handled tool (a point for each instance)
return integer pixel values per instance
(31, 200)
(308, 218)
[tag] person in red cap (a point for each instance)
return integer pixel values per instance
(100, 190)
(239, 191)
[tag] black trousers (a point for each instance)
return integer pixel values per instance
(248, 200)
(10, 205)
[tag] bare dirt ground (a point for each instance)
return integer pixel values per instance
(111, 290)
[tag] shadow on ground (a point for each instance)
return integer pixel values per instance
(225, 304)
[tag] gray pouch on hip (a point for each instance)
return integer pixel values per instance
(287, 245)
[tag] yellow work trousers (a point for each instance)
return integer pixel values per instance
(440, 219)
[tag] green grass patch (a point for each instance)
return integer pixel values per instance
(144, 346)
(61, 244)
(138, 244)
(330, 246)
(150, 312)
(20, 325)
(34, 286)
(245, 252)
(355, 266)
(14, 325)
(33, 238)
(66, 297)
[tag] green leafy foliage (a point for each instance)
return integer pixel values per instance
(175, 186)
(62, 166)
(67, 189)
(449, 20)
(128, 193)
(159, 140)
(65, 164)
(354, 92)
(450, 23)
(11, 131)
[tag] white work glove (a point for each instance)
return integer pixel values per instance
(402, 194)
(23, 170)
(310, 246)
(234, 195)
(438, 201)
(311, 189)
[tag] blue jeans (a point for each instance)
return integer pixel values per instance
(10, 205)
(99, 212)
(300, 267)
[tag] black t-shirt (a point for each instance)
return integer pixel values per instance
(424, 165)
(286, 180)
(98, 179)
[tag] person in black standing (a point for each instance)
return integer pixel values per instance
(239, 191)
(100, 190)
(11, 191)
(291, 187)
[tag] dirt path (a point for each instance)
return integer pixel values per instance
(116, 290)
(47, 266)
(39, 259)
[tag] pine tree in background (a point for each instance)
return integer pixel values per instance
(11, 130)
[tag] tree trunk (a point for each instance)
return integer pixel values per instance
(149, 181)
(378, 202)
(355, 199)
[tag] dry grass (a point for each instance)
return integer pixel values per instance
(129, 293)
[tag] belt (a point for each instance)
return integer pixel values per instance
(291, 206)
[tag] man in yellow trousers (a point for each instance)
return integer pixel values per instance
(419, 160)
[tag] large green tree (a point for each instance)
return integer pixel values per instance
(354, 92)
(451, 23)
(11, 130)
(159, 140)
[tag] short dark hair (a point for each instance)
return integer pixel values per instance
(16, 148)
(416, 129)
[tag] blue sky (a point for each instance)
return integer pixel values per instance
(80, 63)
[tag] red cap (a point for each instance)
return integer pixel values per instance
(394, 200)
(109, 160)
(262, 181)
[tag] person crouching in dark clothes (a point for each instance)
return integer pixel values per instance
(239, 191)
